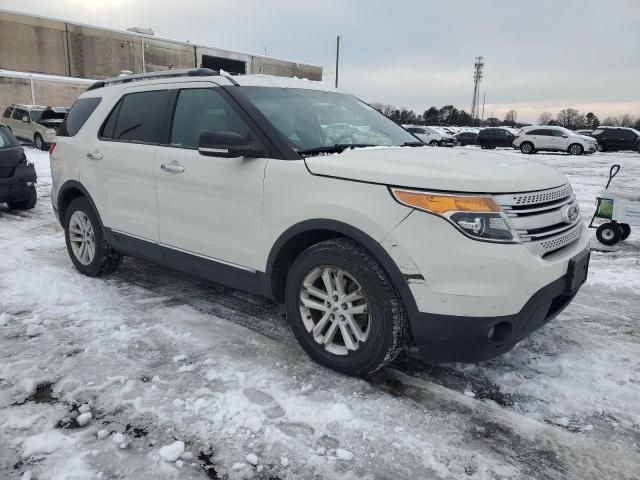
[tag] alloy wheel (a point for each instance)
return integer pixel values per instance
(82, 237)
(334, 310)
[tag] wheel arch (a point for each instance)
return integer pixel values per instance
(309, 232)
(69, 191)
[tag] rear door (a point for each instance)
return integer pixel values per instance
(210, 206)
(123, 162)
(626, 138)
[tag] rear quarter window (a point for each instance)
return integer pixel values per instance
(78, 115)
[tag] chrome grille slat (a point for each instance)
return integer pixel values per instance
(538, 217)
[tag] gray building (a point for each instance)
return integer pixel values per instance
(39, 45)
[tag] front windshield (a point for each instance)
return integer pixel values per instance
(313, 119)
(35, 115)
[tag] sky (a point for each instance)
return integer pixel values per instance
(541, 55)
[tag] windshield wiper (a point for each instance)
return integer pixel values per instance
(336, 148)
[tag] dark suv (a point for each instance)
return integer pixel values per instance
(617, 138)
(17, 175)
(495, 137)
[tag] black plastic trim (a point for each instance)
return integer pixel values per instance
(344, 229)
(66, 186)
(195, 265)
(452, 338)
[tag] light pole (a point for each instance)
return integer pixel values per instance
(337, 58)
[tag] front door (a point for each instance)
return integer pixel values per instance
(122, 157)
(209, 206)
(626, 138)
(17, 125)
(559, 140)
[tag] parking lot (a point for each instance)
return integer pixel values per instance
(161, 357)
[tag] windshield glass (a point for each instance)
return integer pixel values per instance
(313, 119)
(35, 115)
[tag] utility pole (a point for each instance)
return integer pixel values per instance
(477, 77)
(484, 99)
(337, 58)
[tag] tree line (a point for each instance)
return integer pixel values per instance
(451, 116)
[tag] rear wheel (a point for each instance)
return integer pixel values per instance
(575, 149)
(39, 142)
(343, 308)
(89, 250)
(609, 233)
(625, 230)
(527, 148)
(27, 204)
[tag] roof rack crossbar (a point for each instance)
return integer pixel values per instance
(187, 72)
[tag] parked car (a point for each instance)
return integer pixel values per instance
(231, 179)
(587, 132)
(466, 138)
(617, 138)
(432, 136)
(17, 174)
(34, 123)
(495, 137)
(553, 139)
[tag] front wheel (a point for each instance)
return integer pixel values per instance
(343, 308)
(434, 143)
(601, 148)
(576, 149)
(39, 142)
(609, 233)
(27, 204)
(89, 250)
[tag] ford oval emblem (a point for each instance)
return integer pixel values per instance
(570, 213)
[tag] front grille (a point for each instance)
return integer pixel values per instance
(538, 218)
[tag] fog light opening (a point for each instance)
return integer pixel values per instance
(500, 332)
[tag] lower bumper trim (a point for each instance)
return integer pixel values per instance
(451, 338)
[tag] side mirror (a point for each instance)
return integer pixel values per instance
(564, 135)
(25, 119)
(228, 145)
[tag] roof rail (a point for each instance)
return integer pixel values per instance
(187, 72)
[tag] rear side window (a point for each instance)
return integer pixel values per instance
(78, 115)
(7, 112)
(137, 118)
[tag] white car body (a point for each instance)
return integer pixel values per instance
(233, 212)
(551, 138)
(430, 135)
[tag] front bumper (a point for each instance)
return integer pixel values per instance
(19, 185)
(450, 338)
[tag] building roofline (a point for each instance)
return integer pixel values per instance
(154, 37)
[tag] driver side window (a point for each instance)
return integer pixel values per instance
(201, 109)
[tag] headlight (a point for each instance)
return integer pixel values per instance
(477, 216)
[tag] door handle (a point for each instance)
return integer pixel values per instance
(95, 155)
(173, 167)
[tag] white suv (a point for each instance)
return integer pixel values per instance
(371, 240)
(558, 139)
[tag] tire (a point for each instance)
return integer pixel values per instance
(625, 231)
(434, 143)
(601, 148)
(38, 141)
(384, 324)
(575, 149)
(527, 148)
(27, 204)
(609, 234)
(104, 260)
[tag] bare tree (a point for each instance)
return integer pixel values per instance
(611, 121)
(568, 117)
(626, 120)
(510, 117)
(545, 118)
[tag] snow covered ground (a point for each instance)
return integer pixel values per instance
(149, 374)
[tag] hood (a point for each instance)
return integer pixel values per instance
(457, 170)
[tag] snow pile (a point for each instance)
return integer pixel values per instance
(171, 453)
